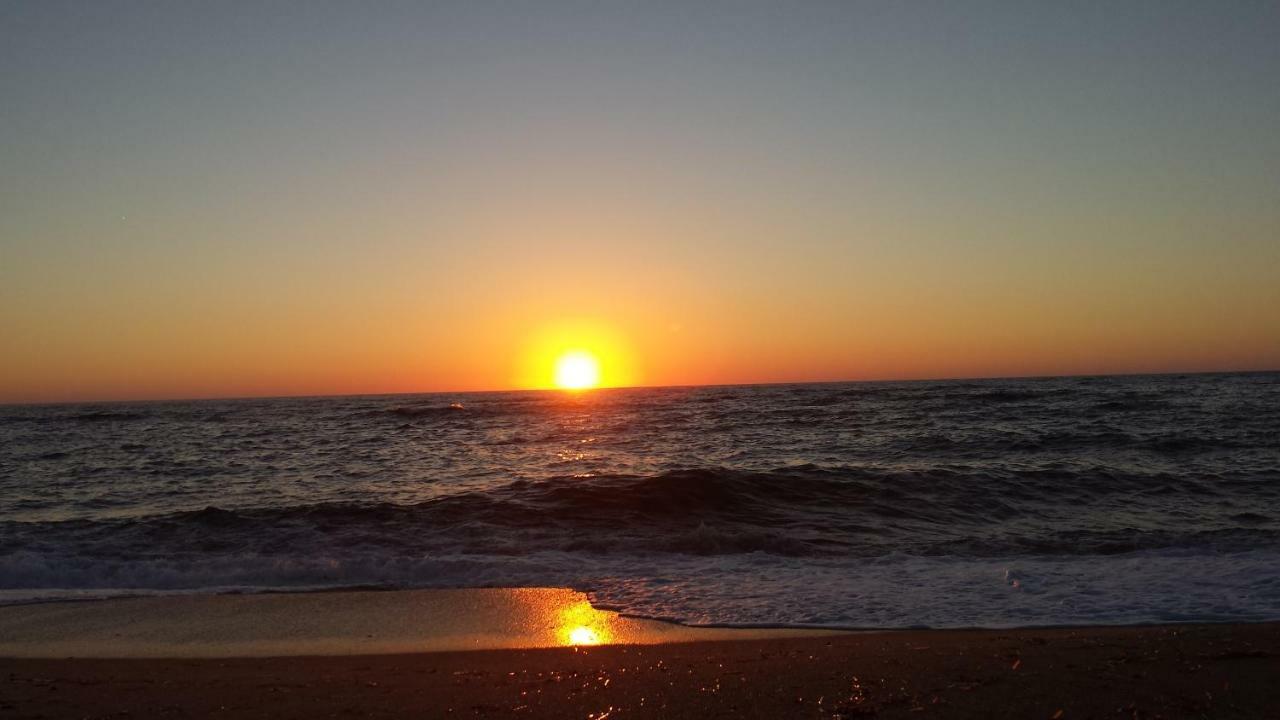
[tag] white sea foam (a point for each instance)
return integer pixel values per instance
(895, 591)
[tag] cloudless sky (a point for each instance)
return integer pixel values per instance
(222, 199)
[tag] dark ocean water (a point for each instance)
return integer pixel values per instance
(1001, 502)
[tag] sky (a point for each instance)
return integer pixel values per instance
(222, 199)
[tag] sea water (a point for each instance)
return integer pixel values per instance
(994, 503)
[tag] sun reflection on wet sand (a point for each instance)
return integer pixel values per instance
(336, 623)
(581, 624)
(583, 636)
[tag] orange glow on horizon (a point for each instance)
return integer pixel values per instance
(641, 184)
(576, 356)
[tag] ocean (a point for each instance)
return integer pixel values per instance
(992, 503)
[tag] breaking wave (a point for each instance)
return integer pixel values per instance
(869, 505)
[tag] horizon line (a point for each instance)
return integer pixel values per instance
(232, 398)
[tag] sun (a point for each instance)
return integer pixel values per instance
(577, 370)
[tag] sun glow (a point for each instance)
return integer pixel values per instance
(574, 355)
(580, 624)
(577, 370)
(583, 636)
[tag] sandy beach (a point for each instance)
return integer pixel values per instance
(1156, 672)
(661, 671)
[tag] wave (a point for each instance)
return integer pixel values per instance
(1131, 405)
(418, 411)
(1005, 396)
(91, 416)
(804, 511)
(894, 591)
(696, 500)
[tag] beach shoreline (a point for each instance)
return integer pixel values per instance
(1225, 670)
(545, 652)
(339, 623)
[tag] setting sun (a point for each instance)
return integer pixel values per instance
(577, 370)
(575, 354)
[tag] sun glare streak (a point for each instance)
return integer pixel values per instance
(577, 370)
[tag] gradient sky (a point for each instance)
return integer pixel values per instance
(310, 198)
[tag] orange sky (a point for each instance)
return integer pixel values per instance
(441, 200)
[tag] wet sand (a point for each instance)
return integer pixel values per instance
(334, 623)
(1135, 672)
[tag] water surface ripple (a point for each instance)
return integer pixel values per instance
(997, 502)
